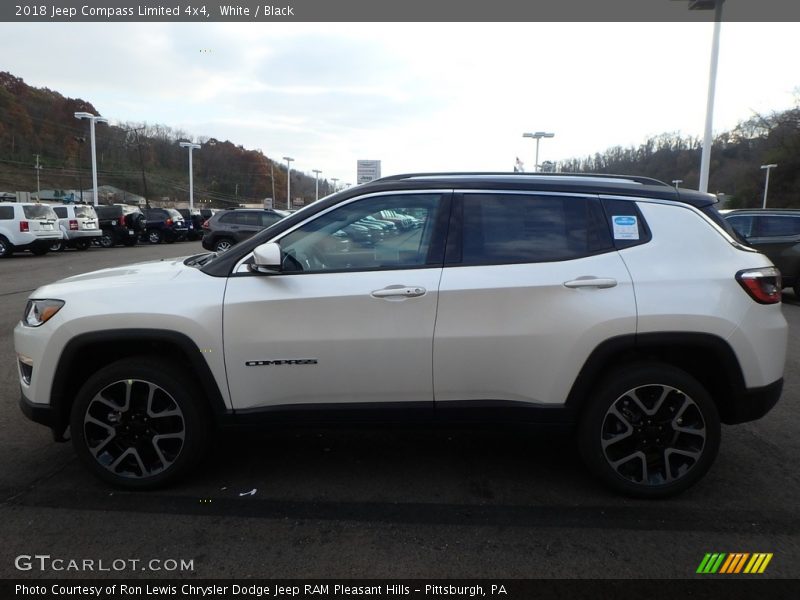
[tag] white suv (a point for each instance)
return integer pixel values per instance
(79, 226)
(27, 226)
(618, 307)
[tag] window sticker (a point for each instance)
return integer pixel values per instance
(625, 228)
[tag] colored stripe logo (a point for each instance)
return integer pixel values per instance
(734, 563)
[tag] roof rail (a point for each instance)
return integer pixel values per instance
(632, 178)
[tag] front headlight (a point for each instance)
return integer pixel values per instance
(38, 312)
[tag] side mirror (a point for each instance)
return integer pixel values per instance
(267, 258)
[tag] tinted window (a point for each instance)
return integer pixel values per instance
(38, 211)
(268, 219)
(335, 240)
(742, 224)
(514, 228)
(106, 212)
(6, 212)
(229, 217)
(61, 211)
(778, 225)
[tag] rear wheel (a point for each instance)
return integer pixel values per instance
(651, 431)
(6, 249)
(107, 239)
(154, 236)
(223, 244)
(137, 423)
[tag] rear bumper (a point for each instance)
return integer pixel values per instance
(753, 404)
(38, 243)
(73, 235)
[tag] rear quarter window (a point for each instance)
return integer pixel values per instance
(6, 213)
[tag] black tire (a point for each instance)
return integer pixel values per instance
(629, 431)
(57, 246)
(6, 249)
(223, 244)
(154, 236)
(40, 250)
(106, 240)
(129, 241)
(124, 439)
(82, 244)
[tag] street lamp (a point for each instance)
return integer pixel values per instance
(766, 183)
(675, 182)
(191, 147)
(92, 120)
(288, 160)
(316, 183)
(538, 136)
(705, 158)
(81, 140)
(334, 180)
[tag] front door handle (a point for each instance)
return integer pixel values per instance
(591, 282)
(399, 291)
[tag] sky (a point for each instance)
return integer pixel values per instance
(417, 96)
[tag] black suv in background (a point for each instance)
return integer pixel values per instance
(120, 224)
(194, 223)
(774, 232)
(164, 225)
(229, 227)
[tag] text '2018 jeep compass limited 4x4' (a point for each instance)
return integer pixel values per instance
(618, 306)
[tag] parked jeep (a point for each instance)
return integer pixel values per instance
(164, 225)
(120, 224)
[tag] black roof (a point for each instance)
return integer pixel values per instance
(592, 183)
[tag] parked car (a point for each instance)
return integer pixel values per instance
(120, 224)
(79, 226)
(617, 307)
(27, 226)
(194, 224)
(164, 225)
(776, 233)
(229, 227)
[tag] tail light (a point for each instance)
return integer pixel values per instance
(205, 224)
(24, 226)
(73, 225)
(763, 285)
(169, 222)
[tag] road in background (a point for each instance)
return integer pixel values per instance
(389, 503)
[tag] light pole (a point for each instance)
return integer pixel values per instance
(334, 180)
(191, 146)
(92, 120)
(81, 140)
(288, 160)
(316, 184)
(675, 182)
(766, 183)
(538, 136)
(705, 157)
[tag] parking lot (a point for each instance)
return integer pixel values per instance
(390, 503)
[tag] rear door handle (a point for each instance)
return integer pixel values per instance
(399, 291)
(591, 282)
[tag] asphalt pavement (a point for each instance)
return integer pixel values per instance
(393, 503)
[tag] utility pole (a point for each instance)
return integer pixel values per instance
(141, 163)
(38, 191)
(272, 177)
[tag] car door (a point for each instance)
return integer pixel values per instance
(344, 323)
(531, 285)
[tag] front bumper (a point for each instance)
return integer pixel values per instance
(38, 413)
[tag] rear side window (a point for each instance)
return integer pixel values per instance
(85, 212)
(515, 228)
(38, 211)
(268, 219)
(778, 225)
(626, 223)
(6, 213)
(61, 211)
(741, 224)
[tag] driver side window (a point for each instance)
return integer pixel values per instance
(379, 232)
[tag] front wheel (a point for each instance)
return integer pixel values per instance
(57, 246)
(40, 250)
(154, 236)
(223, 245)
(82, 244)
(107, 239)
(137, 423)
(651, 431)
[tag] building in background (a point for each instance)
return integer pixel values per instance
(367, 170)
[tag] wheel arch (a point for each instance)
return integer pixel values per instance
(706, 357)
(88, 352)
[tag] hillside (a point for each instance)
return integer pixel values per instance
(141, 158)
